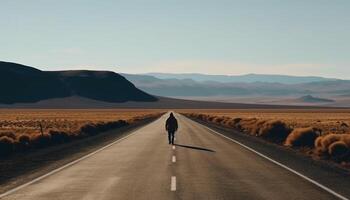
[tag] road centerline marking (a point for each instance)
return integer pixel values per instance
(173, 147)
(173, 184)
(174, 159)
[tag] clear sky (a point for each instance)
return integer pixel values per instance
(296, 37)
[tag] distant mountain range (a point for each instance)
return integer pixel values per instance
(248, 78)
(24, 84)
(174, 87)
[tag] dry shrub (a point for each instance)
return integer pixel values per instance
(41, 140)
(318, 142)
(8, 134)
(257, 126)
(218, 120)
(236, 120)
(24, 139)
(302, 137)
(338, 150)
(89, 129)
(93, 129)
(247, 125)
(6, 145)
(231, 123)
(328, 140)
(58, 137)
(274, 130)
(140, 118)
(23, 142)
(211, 118)
(318, 146)
(346, 139)
(234, 123)
(77, 134)
(113, 125)
(201, 116)
(334, 146)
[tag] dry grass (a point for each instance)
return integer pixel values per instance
(273, 130)
(27, 120)
(21, 130)
(327, 120)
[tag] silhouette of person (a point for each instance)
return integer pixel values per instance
(171, 126)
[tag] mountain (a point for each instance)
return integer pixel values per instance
(19, 83)
(333, 92)
(191, 88)
(312, 99)
(248, 78)
(102, 85)
(24, 84)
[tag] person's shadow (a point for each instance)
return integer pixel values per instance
(194, 147)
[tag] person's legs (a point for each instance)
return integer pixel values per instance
(169, 137)
(172, 137)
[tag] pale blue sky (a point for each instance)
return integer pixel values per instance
(297, 37)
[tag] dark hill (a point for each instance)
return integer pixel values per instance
(23, 84)
(19, 83)
(102, 86)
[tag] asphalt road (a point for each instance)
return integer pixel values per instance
(202, 165)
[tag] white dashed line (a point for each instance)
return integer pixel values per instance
(173, 183)
(173, 147)
(174, 159)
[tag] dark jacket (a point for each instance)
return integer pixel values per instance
(171, 124)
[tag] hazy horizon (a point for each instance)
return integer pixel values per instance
(173, 73)
(222, 37)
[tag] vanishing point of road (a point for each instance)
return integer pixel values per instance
(202, 165)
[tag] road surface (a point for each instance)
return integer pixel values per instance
(202, 165)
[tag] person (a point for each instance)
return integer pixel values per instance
(171, 126)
